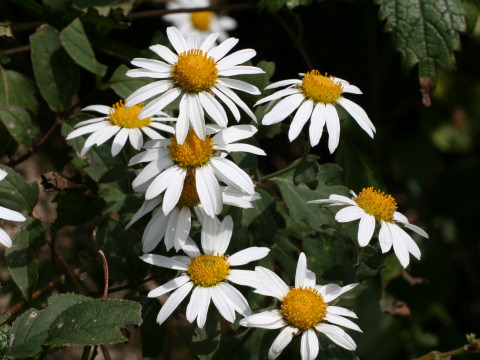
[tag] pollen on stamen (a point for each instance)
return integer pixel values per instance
(193, 153)
(127, 117)
(195, 71)
(303, 308)
(201, 20)
(321, 89)
(377, 203)
(208, 270)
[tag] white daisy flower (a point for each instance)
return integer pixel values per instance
(175, 226)
(121, 122)
(315, 96)
(7, 214)
(304, 310)
(200, 74)
(201, 23)
(196, 165)
(372, 206)
(207, 274)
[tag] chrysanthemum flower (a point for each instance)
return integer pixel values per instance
(200, 74)
(304, 310)
(189, 173)
(10, 215)
(175, 226)
(121, 122)
(372, 206)
(201, 23)
(315, 96)
(207, 274)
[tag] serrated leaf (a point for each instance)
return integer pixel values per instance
(122, 249)
(77, 45)
(19, 124)
(57, 76)
(17, 89)
(31, 328)
(22, 196)
(425, 32)
(93, 322)
(21, 262)
(124, 85)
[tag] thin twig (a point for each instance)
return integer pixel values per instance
(66, 269)
(86, 352)
(105, 352)
(105, 270)
(17, 50)
(437, 355)
(160, 12)
(306, 151)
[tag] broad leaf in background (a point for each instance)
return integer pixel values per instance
(20, 124)
(21, 261)
(425, 32)
(93, 322)
(57, 76)
(18, 89)
(76, 44)
(15, 192)
(124, 85)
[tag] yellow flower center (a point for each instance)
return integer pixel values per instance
(303, 308)
(201, 20)
(193, 152)
(321, 89)
(189, 196)
(377, 203)
(208, 270)
(127, 117)
(195, 71)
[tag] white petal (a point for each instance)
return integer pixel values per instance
(208, 190)
(183, 121)
(152, 134)
(279, 94)
(234, 97)
(411, 244)
(213, 108)
(151, 170)
(144, 156)
(221, 50)
(248, 255)
(152, 64)
(177, 40)
(12, 215)
(165, 53)
(272, 282)
(136, 138)
(309, 345)
(236, 299)
(223, 304)
(385, 237)
(196, 115)
(136, 73)
(5, 239)
(339, 320)
(239, 85)
(163, 181)
(358, 114)
(223, 235)
(208, 42)
(159, 103)
(3, 174)
(400, 245)
(182, 228)
(350, 213)
(192, 41)
(271, 319)
(169, 286)
(163, 261)
(337, 310)
(173, 301)
(205, 294)
(337, 335)
(366, 229)
(333, 127)
(190, 248)
(299, 120)
(284, 108)
(228, 172)
(102, 109)
(236, 58)
(230, 104)
(88, 129)
(148, 91)
(301, 271)
(210, 226)
(284, 83)
(155, 231)
(241, 148)
(310, 279)
(244, 277)
(281, 342)
(241, 70)
(317, 122)
(192, 307)
(91, 121)
(352, 89)
(119, 141)
(234, 133)
(173, 191)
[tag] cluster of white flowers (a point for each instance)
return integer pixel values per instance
(189, 170)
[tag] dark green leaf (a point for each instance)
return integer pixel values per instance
(93, 322)
(122, 249)
(425, 32)
(31, 328)
(206, 341)
(21, 262)
(75, 42)
(24, 196)
(4, 331)
(17, 89)
(57, 76)
(124, 85)
(75, 208)
(306, 172)
(151, 332)
(20, 124)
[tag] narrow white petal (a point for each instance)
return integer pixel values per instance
(182, 228)
(272, 282)
(417, 229)
(165, 53)
(411, 244)
(213, 108)
(88, 129)
(173, 191)
(239, 85)
(279, 94)
(152, 134)
(271, 319)
(234, 133)
(352, 89)
(244, 277)
(208, 190)
(337, 310)
(183, 121)
(163, 181)
(145, 156)
(119, 141)
(236, 58)
(230, 104)
(169, 286)
(309, 346)
(176, 39)
(148, 91)
(301, 271)
(234, 97)
(366, 229)
(236, 299)
(300, 119)
(146, 207)
(102, 109)
(159, 103)
(339, 320)
(173, 301)
(317, 122)
(284, 108)
(223, 235)
(152, 64)
(222, 303)
(154, 231)
(281, 83)
(170, 228)
(310, 279)
(333, 127)
(337, 335)
(192, 307)
(136, 138)
(241, 70)
(248, 255)
(12, 215)
(358, 114)
(196, 115)
(90, 121)
(163, 261)
(136, 73)
(190, 248)
(400, 217)
(205, 294)
(385, 237)
(218, 52)
(192, 41)
(208, 42)
(241, 148)
(349, 213)
(229, 172)
(281, 342)
(151, 170)
(5, 239)
(400, 245)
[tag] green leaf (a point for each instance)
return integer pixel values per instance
(21, 262)
(151, 332)
(306, 172)
(75, 42)
(75, 208)
(31, 328)
(124, 85)
(6, 31)
(17, 89)
(4, 331)
(122, 249)
(57, 76)
(19, 124)
(425, 32)
(23, 196)
(206, 341)
(93, 322)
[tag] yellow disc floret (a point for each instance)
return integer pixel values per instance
(377, 203)
(195, 71)
(303, 308)
(208, 270)
(127, 117)
(321, 89)
(189, 196)
(193, 153)
(201, 20)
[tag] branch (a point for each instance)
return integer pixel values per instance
(160, 12)
(105, 270)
